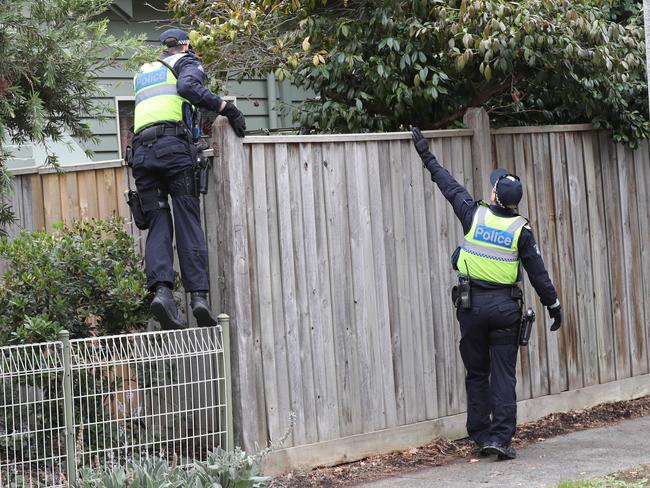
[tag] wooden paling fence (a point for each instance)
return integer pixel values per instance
(332, 254)
(335, 264)
(42, 196)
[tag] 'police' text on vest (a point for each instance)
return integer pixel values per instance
(497, 237)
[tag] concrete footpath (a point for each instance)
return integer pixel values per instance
(580, 455)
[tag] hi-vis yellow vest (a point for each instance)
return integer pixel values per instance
(490, 250)
(156, 97)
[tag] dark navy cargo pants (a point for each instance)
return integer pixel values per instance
(155, 167)
(490, 368)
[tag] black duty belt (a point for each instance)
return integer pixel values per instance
(149, 135)
(509, 291)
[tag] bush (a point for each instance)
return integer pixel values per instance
(223, 469)
(85, 278)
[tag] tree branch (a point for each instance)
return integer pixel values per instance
(479, 99)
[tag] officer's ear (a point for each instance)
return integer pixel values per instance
(493, 197)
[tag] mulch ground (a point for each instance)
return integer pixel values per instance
(442, 451)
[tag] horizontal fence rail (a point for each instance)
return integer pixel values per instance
(103, 401)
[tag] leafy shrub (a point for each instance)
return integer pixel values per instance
(223, 469)
(85, 278)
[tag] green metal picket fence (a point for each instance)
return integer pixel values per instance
(105, 400)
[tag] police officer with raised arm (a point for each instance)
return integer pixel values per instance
(167, 94)
(488, 298)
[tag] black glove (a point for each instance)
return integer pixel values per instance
(556, 314)
(235, 117)
(420, 143)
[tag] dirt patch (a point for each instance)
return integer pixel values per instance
(639, 476)
(442, 451)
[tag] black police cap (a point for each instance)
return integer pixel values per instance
(507, 187)
(178, 35)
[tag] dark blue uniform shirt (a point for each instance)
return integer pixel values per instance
(190, 79)
(465, 206)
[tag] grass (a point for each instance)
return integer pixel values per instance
(603, 483)
(632, 478)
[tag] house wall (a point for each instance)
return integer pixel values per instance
(251, 95)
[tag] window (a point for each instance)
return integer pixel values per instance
(125, 107)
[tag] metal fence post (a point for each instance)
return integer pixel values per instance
(224, 323)
(68, 405)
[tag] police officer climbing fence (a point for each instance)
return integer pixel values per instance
(164, 160)
(488, 298)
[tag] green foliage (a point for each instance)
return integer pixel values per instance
(604, 483)
(36, 329)
(51, 58)
(379, 65)
(52, 52)
(223, 469)
(86, 279)
(7, 216)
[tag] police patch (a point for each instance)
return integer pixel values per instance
(493, 236)
(143, 80)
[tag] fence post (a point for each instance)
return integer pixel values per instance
(232, 287)
(478, 119)
(224, 324)
(68, 406)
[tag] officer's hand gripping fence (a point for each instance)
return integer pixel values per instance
(70, 404)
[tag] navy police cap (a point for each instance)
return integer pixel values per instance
(179, 35)
(507, 187)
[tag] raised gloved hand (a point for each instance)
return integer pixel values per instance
(420, 143)
(555, 312)
(235, 117)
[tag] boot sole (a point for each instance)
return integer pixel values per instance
(166, 322)
(203, 317)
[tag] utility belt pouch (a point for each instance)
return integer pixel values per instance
(527, 321)
(204, 168)
(201, 168)
(184, 183)
(135, 204)
(463, 300)
(516, 292)
(454, 296)
(128, 156)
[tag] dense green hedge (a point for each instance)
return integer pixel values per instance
(86, 278)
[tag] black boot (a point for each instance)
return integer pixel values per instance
(201, 309)
(503, 451)
(163, 308)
